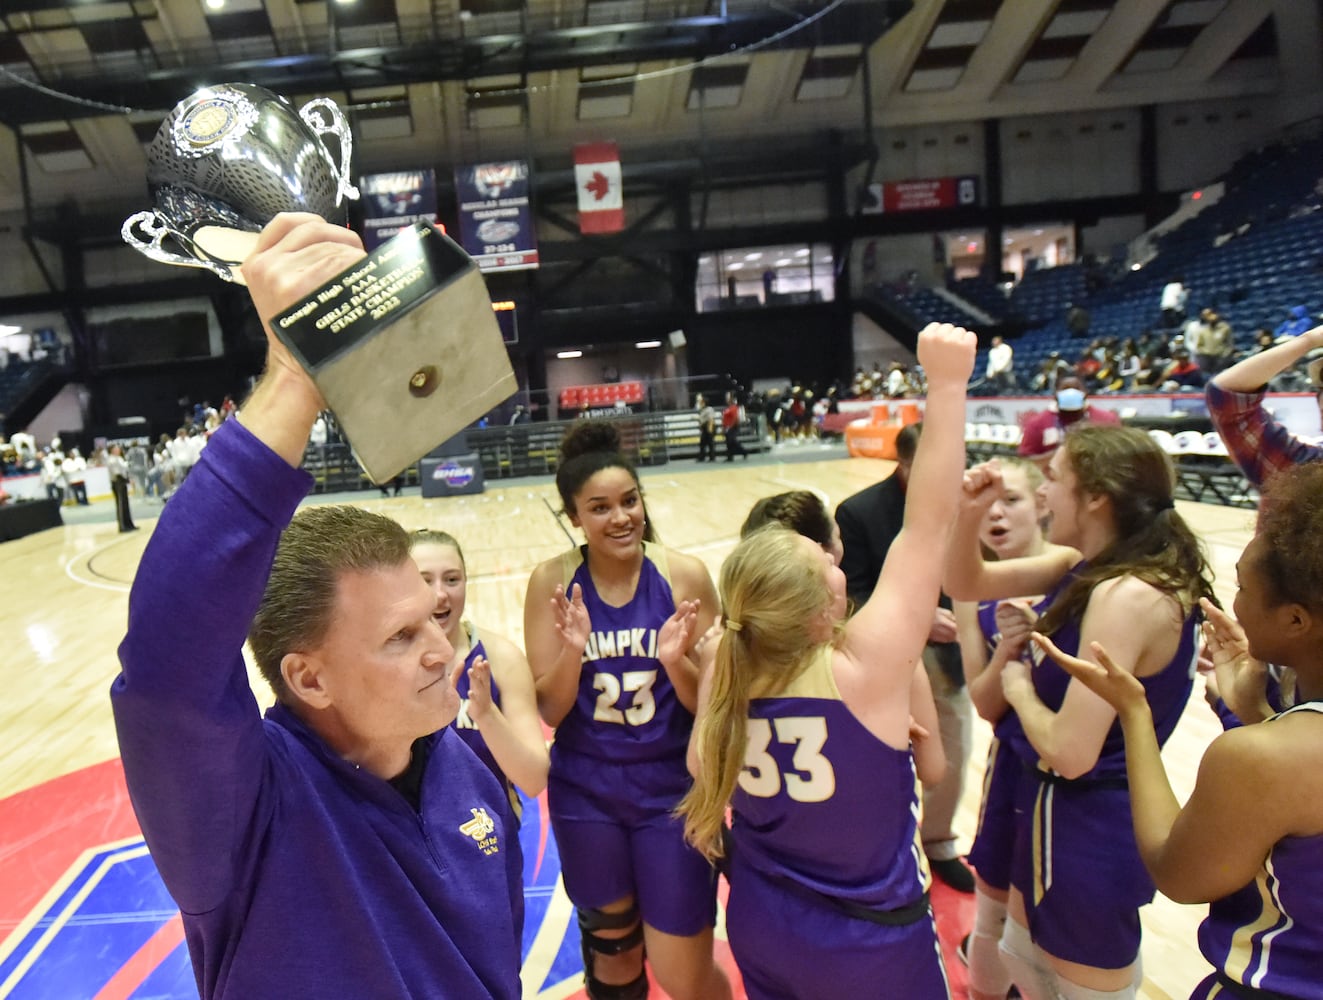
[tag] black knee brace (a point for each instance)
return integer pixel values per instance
(597, 920)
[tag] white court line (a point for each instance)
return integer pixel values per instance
(546, 947)
(87, 557)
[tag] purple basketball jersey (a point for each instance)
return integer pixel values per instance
(824, 803)
(1269, 935)
(627, 709)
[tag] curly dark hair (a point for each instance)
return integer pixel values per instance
(588, 447)
(1153, 543)
(1291, 526)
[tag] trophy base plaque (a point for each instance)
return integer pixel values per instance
(404, 347)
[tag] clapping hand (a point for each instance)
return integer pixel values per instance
(572, 621)
(676, 631)
(480, 689)
(1241, 679)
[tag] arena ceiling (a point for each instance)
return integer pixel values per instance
(83, 85)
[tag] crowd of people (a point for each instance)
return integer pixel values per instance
(135, 465)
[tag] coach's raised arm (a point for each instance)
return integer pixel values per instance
(347, 844)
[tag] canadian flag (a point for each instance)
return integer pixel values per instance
(597, 178)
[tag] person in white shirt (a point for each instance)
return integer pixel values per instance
(1174, 296)
(1000, 373)
(75, 474)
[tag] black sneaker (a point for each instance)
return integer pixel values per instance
(954, 873)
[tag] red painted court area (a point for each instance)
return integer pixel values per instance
(84, 916)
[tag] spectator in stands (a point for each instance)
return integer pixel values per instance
(1052, 368)
(897, 381)
(1182, 373)
(1000, 373)
(1127, 360)
(1257, 442)
(1174, 297)
(1297, 323)
(1211, 341)
(1087, 369)
(1148, 376)
(1043, 431)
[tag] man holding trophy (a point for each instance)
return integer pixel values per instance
(348, 843)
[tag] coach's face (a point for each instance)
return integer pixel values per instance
(378, 679)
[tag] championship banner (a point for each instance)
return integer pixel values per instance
(495, 220)
(920, 195)
(392, 202)
(597, 179)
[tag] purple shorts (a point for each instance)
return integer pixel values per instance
(788, 946)
(1078, 866)
(617, 838)
(994, 843)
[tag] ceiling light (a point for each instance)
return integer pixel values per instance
(735, 266)
(215, 4)
(753, 256)
(569, 354)
(648, 343)
(802, 253)
(784, 261)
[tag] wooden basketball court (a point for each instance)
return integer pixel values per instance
(65, 597)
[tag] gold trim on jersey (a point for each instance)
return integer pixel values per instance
(1042, 841)
(993, 746)
(816, 679)
(1247, 962)
(572, 559)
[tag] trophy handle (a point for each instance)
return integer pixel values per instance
(154, 227)
(339, 127)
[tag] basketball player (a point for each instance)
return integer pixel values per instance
(348, 844)
(992, 634)
(801, 511)
(1131, 570)
(804, 513)
(1250, 838)
(498, 708)
(605, 627)
(803, 732)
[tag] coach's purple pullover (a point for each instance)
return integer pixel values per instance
(297, 873)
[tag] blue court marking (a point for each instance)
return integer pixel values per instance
(115, 904)
(117, 901)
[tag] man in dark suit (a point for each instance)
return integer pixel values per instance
(869, 522)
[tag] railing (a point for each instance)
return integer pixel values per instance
(532, 449)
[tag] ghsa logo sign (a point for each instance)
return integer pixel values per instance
(453, 474)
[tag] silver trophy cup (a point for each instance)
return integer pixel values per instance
(225, 162)
(404, 345)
